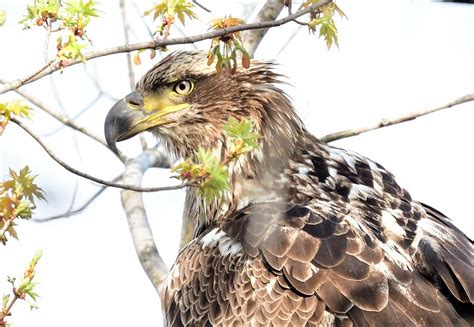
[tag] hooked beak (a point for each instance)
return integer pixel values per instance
(135, 114)
(121, 121)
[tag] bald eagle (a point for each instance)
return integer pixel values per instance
(308, 234)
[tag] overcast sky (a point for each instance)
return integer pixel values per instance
(394, 57)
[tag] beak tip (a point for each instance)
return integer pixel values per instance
(119, 124)
(113, 126)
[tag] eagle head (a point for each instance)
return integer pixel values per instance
(186, 103)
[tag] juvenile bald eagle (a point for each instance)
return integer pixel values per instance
(309, 234)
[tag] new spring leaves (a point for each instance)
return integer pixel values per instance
(209, 172)
(17, 201)
(68, 19)
(224, 49)
(3, 17)
(24, 291)
(13, 108)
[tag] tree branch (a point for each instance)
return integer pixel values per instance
(142, 237)
(63, 118)
(73, 118)
(269, 12)
(132, 202)
(389, 122)
(201, 6)
(155, 44)
(131, 75)
(7, 223)
(70, 213)
(163, 163)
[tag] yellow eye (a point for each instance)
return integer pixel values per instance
(183, 87)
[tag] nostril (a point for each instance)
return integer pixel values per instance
(134, 99)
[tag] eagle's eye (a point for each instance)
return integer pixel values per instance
(183, 87)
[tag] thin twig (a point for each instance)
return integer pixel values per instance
(59, 117)
(69, 212)
(76, 116)
(201, 6)
(7, 223)
(389, 122)
(269, 12)
(31, 77)
(59, 100)
(161, 43)
(96, 179)
(140, 13)
(131, 75)
(5, 313)
(288, 40)
(46, 45)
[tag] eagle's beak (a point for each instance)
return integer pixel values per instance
(121, 121)
(136, 113)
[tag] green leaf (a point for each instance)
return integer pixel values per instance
(16, 108)
(3, 17)
(25, 185)
(81, 7)
(215, 184)
(71, 49)
(41, 10)
(324, 20)
(242, 135)
(5, 300)
(12, 231)
(168, 9)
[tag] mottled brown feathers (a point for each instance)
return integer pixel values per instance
(308, 234)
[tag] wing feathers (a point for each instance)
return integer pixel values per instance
(346, 269)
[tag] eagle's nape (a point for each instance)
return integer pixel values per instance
(309, 233)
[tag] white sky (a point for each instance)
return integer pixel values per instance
(394, 57)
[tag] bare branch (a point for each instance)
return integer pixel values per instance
(55, 66)
(389, 122)
(288, 40)
(81, 112)
(143, 239)
(201, 6)
(163, 163)
(60, 117)
(28, 79)
(70, 212)
(148, 29)
(7, 223)
(269, 12)
(131, 75)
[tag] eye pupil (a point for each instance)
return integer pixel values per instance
(183, 87)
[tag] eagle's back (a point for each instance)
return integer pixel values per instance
(345, 244)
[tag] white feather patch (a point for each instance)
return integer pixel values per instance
(347, 157)
(397, 255)
(219, 239)
(390, 223)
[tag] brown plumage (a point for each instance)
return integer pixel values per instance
(308, 234)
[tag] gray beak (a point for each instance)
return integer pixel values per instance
(121, 120)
